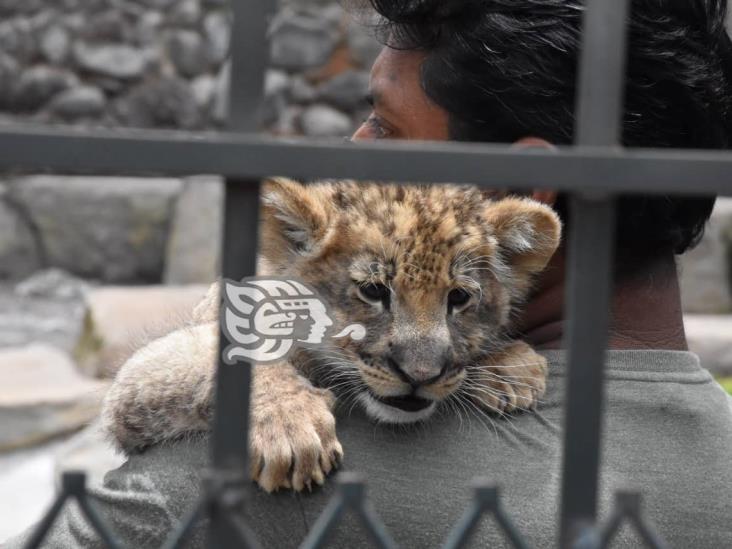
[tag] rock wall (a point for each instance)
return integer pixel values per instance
(163, 63)
(158, 64)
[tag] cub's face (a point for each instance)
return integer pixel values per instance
(434, 274)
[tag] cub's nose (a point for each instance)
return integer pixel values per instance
(418, 370)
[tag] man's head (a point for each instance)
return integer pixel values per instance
(505, 70)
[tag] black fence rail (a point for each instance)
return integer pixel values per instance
(594, 171)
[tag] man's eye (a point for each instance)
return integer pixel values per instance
(374, 292)
(457, 298)
(376, 126)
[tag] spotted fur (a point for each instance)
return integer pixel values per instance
(419, 242)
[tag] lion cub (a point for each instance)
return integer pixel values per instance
(434, 273)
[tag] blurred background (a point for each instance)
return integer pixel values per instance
(91, 267)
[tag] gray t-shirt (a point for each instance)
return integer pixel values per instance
(668, 434)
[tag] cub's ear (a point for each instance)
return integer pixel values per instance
(528, 232)
(294, 220)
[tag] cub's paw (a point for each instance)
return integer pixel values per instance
(514, 379)
(293, 440)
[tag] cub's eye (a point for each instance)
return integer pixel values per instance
(457, 298)
(374, 292)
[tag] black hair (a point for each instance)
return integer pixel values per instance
(505, 69)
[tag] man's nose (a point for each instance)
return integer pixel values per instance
(419, 366)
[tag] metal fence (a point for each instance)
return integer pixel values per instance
(593, 171)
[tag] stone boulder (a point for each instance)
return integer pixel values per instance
(79, 102)
(323, 121)
(43, 395)
(194, 245)
(38, 85)
(706, 271)
(300, 42)
(48, 306)
(166, 102)
(19, 253)
(113, 60)
(120, 320)
(109, 228)
(346, 90)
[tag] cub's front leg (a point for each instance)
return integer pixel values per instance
(514, 379)
(293, 439)
(165, 391)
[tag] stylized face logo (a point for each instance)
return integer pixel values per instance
(264, 319)
(302, 319)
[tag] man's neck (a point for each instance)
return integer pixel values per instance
(646, 310)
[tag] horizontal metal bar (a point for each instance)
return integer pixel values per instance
(251, 156)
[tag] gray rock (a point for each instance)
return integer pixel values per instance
(16, 39)
(276, 82)
(287, 122)
(73, 22)
(25, 319)
(113, 229)
(276, 89)
(158, 4)
(115, 60)
(710, 337)
(38, 84)
(39, 21)
(188, 52)
(52, 283)
(185, 13)
(301, 42)
(166, 102)
(107, 26)
(79, 102)
(193, 250)
(346, 90)
(148, 27)
(55, 44)
(9, 71)
(301, 91)
(120, 319)
(217, 30)
(204, 90)
(19, 253)
(325, 121)
(43, 396)
(706, 271)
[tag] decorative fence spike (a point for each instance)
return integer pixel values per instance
(351, 496)
(73, 486)
(486, 499)
(628, 507)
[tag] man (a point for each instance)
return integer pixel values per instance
(504, 71)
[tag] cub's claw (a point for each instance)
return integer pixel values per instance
(293, 439)
(512, 380)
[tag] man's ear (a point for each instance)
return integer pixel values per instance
(531, 142)
(528, 232)
(293, 220)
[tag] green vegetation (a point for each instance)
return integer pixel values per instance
(726, 382)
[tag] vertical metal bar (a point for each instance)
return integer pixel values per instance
(249, 55)
(592, 220)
